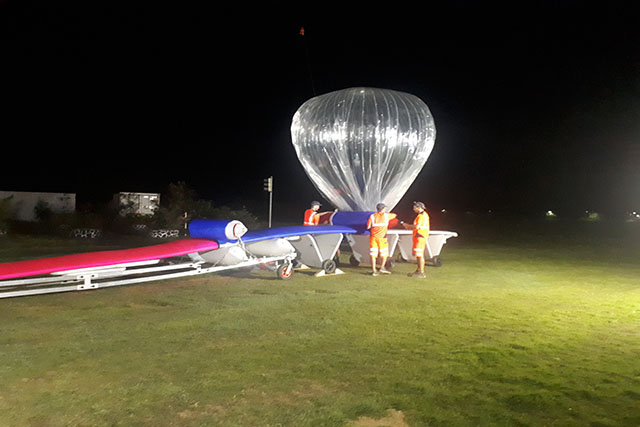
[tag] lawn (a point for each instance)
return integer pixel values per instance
(538, 327)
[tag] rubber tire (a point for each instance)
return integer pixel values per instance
(436, 261)
(282, 271)
(329, 266)
(353, 261)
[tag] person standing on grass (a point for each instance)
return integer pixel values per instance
(420, 229)
(377, 225)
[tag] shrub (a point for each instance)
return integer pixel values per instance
(6, 211)
(243, 215)
(180, 200)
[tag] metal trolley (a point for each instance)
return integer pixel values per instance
(400, 245)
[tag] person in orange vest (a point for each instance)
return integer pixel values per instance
(377, 225)
(311, 215)
(420, 229)
(312, 218)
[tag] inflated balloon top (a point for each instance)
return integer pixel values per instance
(362, 146)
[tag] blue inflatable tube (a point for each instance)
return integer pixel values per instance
(294, 230)
(222, 231)
(355, 220)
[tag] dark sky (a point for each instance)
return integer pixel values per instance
(536, 103)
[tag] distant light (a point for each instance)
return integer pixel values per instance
(443, 211)
(550, 214)
(593, 216)
(633, 217)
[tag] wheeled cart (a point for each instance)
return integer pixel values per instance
(400, 244)
(312, 246)
(318, 251)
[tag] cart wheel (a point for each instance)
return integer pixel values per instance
(353, 261)
(285, 271)
(437, 262)
(329, 266)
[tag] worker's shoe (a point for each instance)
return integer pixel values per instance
(384, 271)
(417, 274)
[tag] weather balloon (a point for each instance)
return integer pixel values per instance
(362, 146)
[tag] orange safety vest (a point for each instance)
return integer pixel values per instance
(311, 217)
(378, 223)
(421, 225)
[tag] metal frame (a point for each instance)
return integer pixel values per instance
(94, 278)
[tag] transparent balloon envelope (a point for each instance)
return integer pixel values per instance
(362, 146)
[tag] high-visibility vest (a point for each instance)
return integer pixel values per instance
(378, 224)
(311, 217)
(421, 224)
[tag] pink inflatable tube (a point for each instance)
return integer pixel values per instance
(36, 267)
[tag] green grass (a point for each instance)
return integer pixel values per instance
(535, 331)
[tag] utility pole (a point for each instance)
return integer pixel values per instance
(268, 186)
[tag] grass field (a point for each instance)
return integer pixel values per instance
(522, 328)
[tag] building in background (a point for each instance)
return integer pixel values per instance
(137, 203)
(23, 203)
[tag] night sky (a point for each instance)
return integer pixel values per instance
(536, 103)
